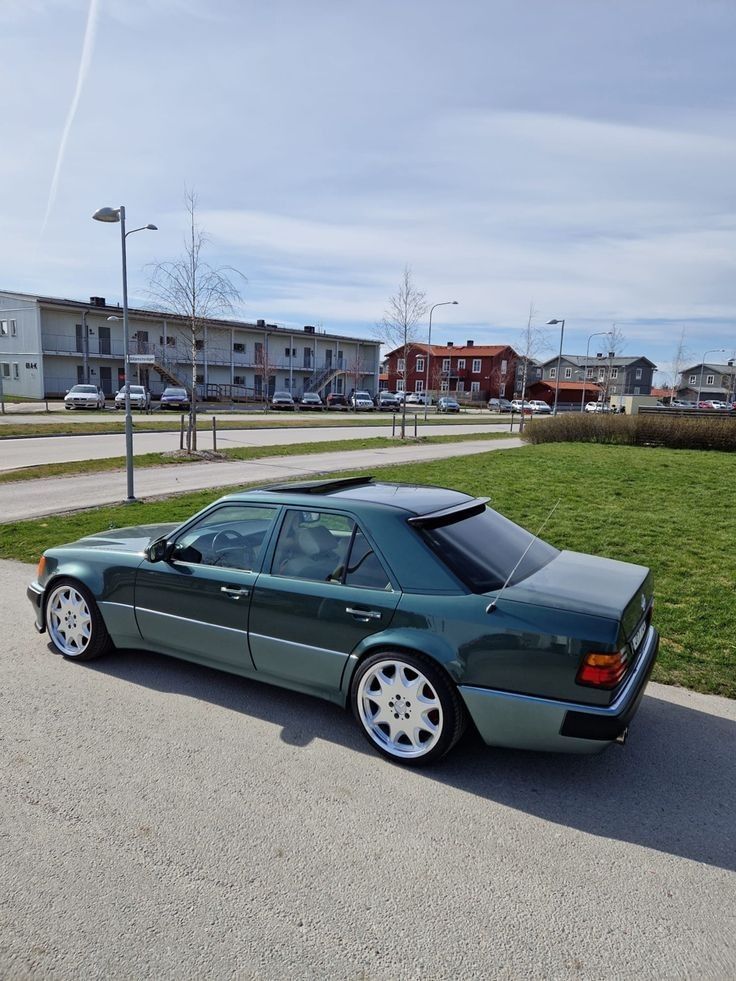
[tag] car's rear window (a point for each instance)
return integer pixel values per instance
(482, 550)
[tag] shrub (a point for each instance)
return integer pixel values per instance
(687, 432)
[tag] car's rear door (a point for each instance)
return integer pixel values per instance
(318, 600)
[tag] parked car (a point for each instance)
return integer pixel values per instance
(140, 398)
(361, 402)
(400, 396)
(520, 405)
(681, 404)
(311, 401)
(283, 400)
(174, 398)
(386, 402)
(538, 406)
(337, 401)
(598, 407)
(420, 608)
(445, 403)
(418, 398)
(500, 405)
(84, 397)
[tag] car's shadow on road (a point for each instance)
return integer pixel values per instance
(672, 787)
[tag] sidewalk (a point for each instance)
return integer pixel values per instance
(54, 495)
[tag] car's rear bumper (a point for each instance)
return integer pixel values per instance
(527, 722)
(34, 592)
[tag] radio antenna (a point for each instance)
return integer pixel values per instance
(492, 606)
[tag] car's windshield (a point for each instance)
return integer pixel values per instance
(281, 395)
(86, 389)
(483, 549)
(175, 391)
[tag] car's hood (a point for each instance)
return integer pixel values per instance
(133, 539)
(588, 584)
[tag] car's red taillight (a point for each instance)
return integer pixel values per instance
(602, 670)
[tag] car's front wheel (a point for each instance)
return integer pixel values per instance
(74, 622)
(407, 707)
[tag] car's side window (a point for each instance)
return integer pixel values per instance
(313, 545)
(363, 567)
(232, 536)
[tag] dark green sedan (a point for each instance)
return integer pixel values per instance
(419, 607)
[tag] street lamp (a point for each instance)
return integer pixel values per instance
(114, 215)
(713, 350)
(598, 333)
(559, 359)
(445, 303)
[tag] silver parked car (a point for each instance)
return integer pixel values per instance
(140, 398)
(84, 397)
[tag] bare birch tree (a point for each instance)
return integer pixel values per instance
(533, 340)
(196, 292)
(676, 366)
(399, 327)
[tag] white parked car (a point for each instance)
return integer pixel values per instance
(537, 405)
(362, 402)
(520, 405)
(140, 398)
(597, 407)
(418, 398)
(84, 397)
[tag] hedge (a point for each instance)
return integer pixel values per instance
(674, 432)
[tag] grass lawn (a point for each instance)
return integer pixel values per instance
(668, 509)
(229, 453)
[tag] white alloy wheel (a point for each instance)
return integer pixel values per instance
(69, 620)
(400, 709)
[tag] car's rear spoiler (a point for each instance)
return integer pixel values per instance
(448, 516)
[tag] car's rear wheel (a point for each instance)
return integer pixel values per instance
(74, 622)
(407, 707)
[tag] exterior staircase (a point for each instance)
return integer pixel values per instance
(321, 379)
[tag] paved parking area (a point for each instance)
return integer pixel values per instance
(162, 820)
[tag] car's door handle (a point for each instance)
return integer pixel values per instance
(363, 614)
(234, 592)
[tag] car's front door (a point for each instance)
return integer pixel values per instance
(326, 590)
(196, 604)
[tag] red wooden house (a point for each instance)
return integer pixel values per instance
(471, 371)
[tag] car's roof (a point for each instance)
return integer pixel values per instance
(412, 499)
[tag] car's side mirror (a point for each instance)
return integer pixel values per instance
(159, 551)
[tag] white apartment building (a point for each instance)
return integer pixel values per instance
(48, 344)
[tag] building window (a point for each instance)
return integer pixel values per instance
(709, 379)
(445, 364)
(724, 381)
(589, 374)
(400, 385)
(16, 372)
(199, 343)
(200, 379)
(169, 341)
(239, 348)
(637, 390)
(238, 379)
(5, 369)
(444, 386)
(460, 364)
(614, 372)
(3, 328)
(13, 328)
(692, 379)
(553, 372)
(638, 373)
(504, 366)
(568, 372)
(475, 386)
(420, 364)
(401, 365)
(476, 366)
(614, 389)
(419, 386)
(601, 374)
(460, 387)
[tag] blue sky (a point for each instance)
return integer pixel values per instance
(577, 154)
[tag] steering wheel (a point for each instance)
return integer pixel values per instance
(228, 541)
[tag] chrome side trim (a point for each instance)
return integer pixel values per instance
(293, 643)
(203, 623)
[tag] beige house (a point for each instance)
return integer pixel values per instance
(48, 344)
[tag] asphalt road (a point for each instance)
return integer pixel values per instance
(161, 820)
(52, 495)
(16, 453)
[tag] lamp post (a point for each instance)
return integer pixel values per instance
(444, 303)
(559, 359)
(713, 350)
(115, 215)
(598, 333)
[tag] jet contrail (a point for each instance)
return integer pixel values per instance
(87, 46)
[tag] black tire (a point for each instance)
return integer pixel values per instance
(74, 623)
(391, 689)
